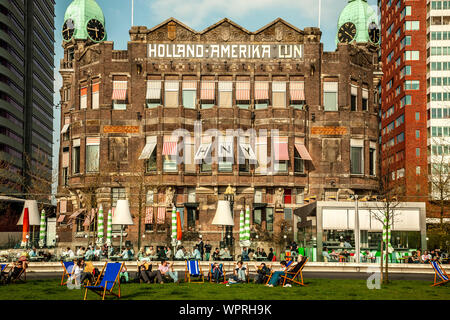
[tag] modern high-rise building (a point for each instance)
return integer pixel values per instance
(26, 95)
(404, 157)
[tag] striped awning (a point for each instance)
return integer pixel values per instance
(76, 213)
(304, 154)
(65, 160)
(161, 218)
(207, 90)
(61, 218)
(93, 141)
(278, 86)
(95, 87)
(243, 91)
(281, 150)
(63, 206)
(153, 90)
(261, 90)
(84, 91)
(171, 85)
(202, 151)
(189, 85)
(148, 149)
(169, 146)
(148, 215)
(119, 90)
(225, 86)
(248, 152)
(89, 218)
(225, 147)
(65, 128)
(297, 90)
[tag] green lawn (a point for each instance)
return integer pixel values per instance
(317, 289)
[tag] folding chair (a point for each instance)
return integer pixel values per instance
(193, 270)
(439, 272)
(67, 270)
(22, 276)
(289, 266)
(3, 267)
(109, 277)
(294, 272)
(221, 270)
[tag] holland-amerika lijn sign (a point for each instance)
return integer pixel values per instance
(226, 51)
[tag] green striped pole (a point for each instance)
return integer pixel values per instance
(100, 226)
(247, 223)
(109, 229)
(42, 229)
(174, 226)
(387, 231)
(241, 226)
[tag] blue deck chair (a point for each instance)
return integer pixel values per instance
(193, 271)
(109, 277)
(439, 272)
(3, 267)
(221, 271)
(67, 271)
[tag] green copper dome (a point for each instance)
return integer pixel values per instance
(361, 14)
(81, 12)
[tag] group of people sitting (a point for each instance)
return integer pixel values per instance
(15, 271)
(250, 254)
(90, 254)
(426, 257)
(164, 272)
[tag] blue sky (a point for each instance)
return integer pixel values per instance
(199, 14)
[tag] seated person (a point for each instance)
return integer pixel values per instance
(425, 258)
(345, 254)
(147, 275)
(334, 255)
(216, 272)
(126, 254)
(240, 273)
(196, 253)
(225, 255)
(161, 254)
(414, 258)
(124, 274)
(244, 254)
(150, 252)
(277, 275)
(180, 254)
(168, 253)
(166, 268)
(81, 251)
(263, 272)
(88, 272)
(32, 253)
(326, 255)
(216, 254)
(89, 254)
(263, 253)
(16, 270)
(98, 253)
(142, 256)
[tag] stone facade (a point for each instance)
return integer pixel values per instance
(326, 135)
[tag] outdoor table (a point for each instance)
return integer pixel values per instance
(403, 259)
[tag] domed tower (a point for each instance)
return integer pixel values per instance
(84, 20)
(358, 24)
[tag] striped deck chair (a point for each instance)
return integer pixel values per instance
(109, 277)
(439, 272)
(289, 265)
(3, 267)
(193, 271)
(221, 271)
(294, 272)
(67, 271)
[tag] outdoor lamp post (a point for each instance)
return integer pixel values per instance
(33, 217)
(229, 196)
(122, 217)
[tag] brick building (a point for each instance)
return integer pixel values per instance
(314, 115)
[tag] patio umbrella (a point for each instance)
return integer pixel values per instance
(174, 226)
(109, 229)
(387, 230)
(243, 241)
(25, 228)
(247, 224)
(179, 230)
(100, 226)
(42, 229)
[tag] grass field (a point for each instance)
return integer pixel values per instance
(316, 289)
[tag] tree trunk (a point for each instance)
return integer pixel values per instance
(386, 279)
(381, 258)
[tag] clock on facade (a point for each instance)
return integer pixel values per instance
(95, 30)
(68, 29)
(374, 33)
(347, 32)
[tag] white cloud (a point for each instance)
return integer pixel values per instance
(195, 12)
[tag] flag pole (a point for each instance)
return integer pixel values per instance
(320, 9)
(132, 13)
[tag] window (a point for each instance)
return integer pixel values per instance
(365, 99)
(288, 214)
(149, 154)
(417, 134)
(281, 154)
(406, 71)
(279, 94)
(225, 94)
(417, 152)
(207, 94)
(263, 217)
(411, 55)
(405, 12)
(169, 154)
(299, 195)
(65, 176)
(400, 137)
(330, 96)
(189, 154)
(405, 101)
(353, 97)
(189, 94)
(261, 153)
(117, 194)
(225, 153)
(418, 170)
(119, 96)
(261, 94)
(243, 93)
(406, 41)
(417, 116)
(356, 156)
(83, 97)
(412, 25)
(412, 85)
(299, 164)
(372, 159)
(258, 197)
(244, 162)
(96, 95)
(191, 195)
(400, 120)
(297, 93)
(92, 154)
(150, 197)
(204, 153)
(171, 93)
(153, 96)
(76, 156)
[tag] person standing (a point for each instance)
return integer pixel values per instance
(200, 248)
(270, 255)
(208, 248)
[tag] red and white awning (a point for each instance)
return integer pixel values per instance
(119, 90)
(61, 218)
(297, 90)
(243, 91)
(170, 146)
(304, 154)
(189, 85)
(281, 150)
(161, 218)
(207, 90)
(261, 90)
(153, 90)
(148, 215)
